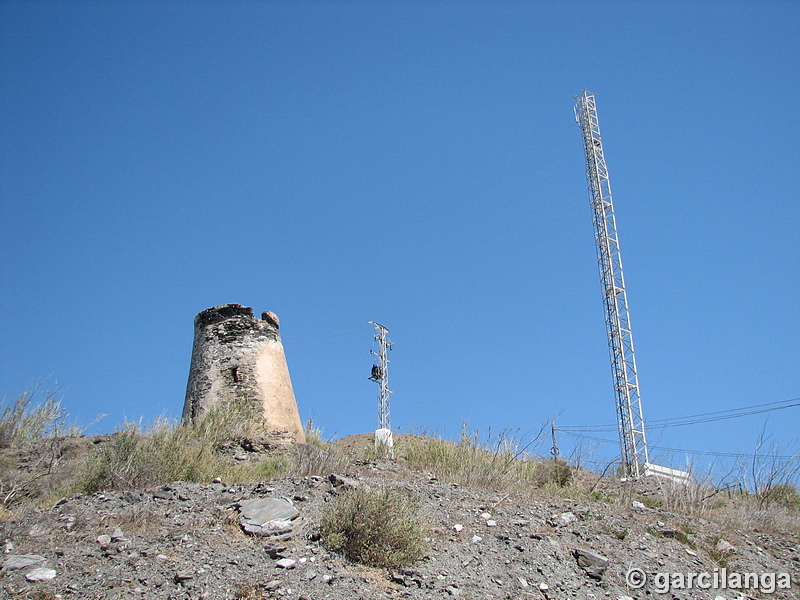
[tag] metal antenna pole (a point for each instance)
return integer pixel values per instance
(380, 374)
(630, 420)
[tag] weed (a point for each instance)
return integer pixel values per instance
(309, 460)
(141, 456)
(620, 534)
(374, 527)
(491, 463)
(783, 494)
(314, 435)
(651, 502)
(22, 421)
(718, 556)
(248, 591)
(600, 497)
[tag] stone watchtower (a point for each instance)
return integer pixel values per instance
(238, 359)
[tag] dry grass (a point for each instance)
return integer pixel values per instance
(310, 460)
(23, 420)
(140, 456)
(750, 515)
(494, 463)
(376, 577)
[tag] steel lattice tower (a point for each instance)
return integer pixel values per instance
(630, 420)
(380, 374)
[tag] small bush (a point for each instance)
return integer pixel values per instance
(374, 527)
(783, 494)
(551, 473)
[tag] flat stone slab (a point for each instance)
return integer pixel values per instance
(22, 561)
(41, 574)
(592, 563)
(267, 516)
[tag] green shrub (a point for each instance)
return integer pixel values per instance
(374, 527)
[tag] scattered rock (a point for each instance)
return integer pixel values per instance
(22, 561)
(286, 563)
(592, 563)
(191, 544)
(344, 483)
(724, 546)
(41, 574)
(563, 519)
(183, 576)
(268, 517)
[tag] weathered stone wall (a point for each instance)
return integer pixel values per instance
(238, 359)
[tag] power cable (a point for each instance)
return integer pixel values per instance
(709, 417)
(683, 450)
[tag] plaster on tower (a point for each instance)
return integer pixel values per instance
(239, 359)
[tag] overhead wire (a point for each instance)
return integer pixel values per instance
(708, 417)
(681, 450)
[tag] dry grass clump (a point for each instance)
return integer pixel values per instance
(782, 494)
(492, 463)
(22, 421)
(140, 456)
(310, 460)
(34, 419)
(687, 498)
(317, 456)
(751, 516)
(375, 527)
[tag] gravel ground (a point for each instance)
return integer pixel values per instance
(185, 541)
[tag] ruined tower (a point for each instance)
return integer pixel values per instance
(238, 359)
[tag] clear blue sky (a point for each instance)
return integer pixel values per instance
(413, 163)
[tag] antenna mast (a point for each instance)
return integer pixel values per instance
(380, 375)
(630, 420)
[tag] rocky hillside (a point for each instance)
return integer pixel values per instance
(263, 540)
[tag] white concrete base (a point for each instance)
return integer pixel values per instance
(384, 441)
